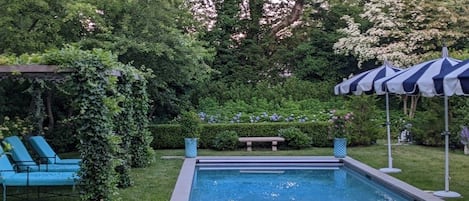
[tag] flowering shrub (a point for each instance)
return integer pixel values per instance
(275, 117)
(211, 119)
(340, 124)
(254, 119)
(16, 126)
(262, 117)
(236, 118)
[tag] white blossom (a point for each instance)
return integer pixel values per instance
(403, 31)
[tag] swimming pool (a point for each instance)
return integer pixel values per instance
(288, 178)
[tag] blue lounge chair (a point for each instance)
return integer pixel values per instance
(45, 151)
(25, 162)
(10, 177)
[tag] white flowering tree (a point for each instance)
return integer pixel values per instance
(405, 32)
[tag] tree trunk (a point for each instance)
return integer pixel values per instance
(295, 14)
(413, 106)
(404, 105)
(50, 115)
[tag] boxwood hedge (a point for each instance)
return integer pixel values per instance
(167, 136)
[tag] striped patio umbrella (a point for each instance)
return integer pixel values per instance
(363, 83)
(455, 81)
(448, 83)
(418, 79)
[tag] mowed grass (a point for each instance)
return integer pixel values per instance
(421, 166)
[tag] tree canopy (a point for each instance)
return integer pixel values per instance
(240, 42)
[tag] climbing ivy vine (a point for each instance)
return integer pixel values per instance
(125, 126)
(37, 111)
(106, 119)
(98, 143)
(142, 153)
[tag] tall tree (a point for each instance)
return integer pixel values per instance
(30, 25)
(221, 38)
(160, 36)
(309, 53)
(251, 31)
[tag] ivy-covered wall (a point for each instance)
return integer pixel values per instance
(107, 118)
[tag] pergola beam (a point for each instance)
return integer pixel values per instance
(45, 72)
(33, 68)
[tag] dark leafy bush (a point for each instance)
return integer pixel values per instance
(295, 138)
(226, 140)
(190, 124)
(421, 132)
(365, 128)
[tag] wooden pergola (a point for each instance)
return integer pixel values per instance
(52, 73)
(45, 72)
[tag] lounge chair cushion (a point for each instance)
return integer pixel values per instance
(8, 176)
(25, 162)
(40, 179)
(6, 169)
(45, 151)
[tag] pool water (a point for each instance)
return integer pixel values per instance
(306, 184)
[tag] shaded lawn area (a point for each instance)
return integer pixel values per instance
(421, 166)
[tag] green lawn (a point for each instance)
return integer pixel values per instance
(421, 166)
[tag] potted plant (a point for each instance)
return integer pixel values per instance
(339, 128)
(465, 139)
(189, 123)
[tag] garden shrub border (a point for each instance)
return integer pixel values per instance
(168, 136)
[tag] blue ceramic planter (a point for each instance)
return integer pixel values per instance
(191, 147)
(340, 147)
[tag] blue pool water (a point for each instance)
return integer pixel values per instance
(307, 184)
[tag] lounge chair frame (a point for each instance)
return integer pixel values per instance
(45, 151)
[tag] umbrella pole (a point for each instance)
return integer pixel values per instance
(389, 169)
(446, 145)
(446, 192)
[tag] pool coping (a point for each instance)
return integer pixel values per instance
(183, 185)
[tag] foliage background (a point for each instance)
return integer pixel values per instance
(197, 62)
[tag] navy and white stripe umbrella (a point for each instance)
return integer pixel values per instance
(363, 83)
(455, 81)
(418, 79)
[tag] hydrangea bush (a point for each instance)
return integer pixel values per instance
(15, 126)
(262, 117)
